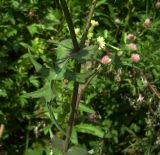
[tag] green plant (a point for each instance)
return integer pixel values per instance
(115, 106)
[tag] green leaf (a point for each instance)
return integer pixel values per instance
(54, 42)
(37, 65)
(57, 143)
(79, 77)
(27, 46)
(64, 49)
(15, 4)
(82, 77)
(34, 81)
(32, 29)
(47, 92)
(140, 84)
(99, 3)
(91, 129)
(3, 93)
(77, 151)
(86, 53)
(11, 32)
(84, 108)
(35, 28)
(34, 152)
(74, 138)
(105, 34)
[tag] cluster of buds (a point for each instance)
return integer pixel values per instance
(133, 47)
(94, 23)
(90, 31)
(101, 42)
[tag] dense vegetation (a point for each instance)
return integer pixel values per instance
(119, 92)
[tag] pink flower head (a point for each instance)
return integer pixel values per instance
(130, 36)
(105, 60)
(157, 5)
(132, 46)
(135, 57)
(147, 22)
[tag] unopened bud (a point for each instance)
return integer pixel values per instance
(130, 36)
(105, 60)
(147, 22)
(132, 46)
(135, 57)
(94, 23)
(157, 5)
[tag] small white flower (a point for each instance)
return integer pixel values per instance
(77, 31)
(117, 20)
(101, 42)
(140, 98)
(51, 152)
(94, 23)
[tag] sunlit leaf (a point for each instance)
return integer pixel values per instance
(74, 137)
(77, 151)
(84, 108)
(90, 129)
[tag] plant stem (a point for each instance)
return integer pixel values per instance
(77, 65)
(77, 70)
(53, 118)
(73, 111)
(27, 139)
(70, 25)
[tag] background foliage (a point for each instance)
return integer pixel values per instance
(120, 109)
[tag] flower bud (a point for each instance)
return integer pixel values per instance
(65, 82)
(132, 46)
(135, 57)
(147, 23)
(91, 117)
(105, 60)
(130, 36)
(94, 23)
(157, 5)
(120, 53)
(117, 21)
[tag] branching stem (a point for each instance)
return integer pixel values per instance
(77, 65)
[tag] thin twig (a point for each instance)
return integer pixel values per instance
(85, 32)
(151, 87)
(1, 130)
(84, 86)
(154, 90)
